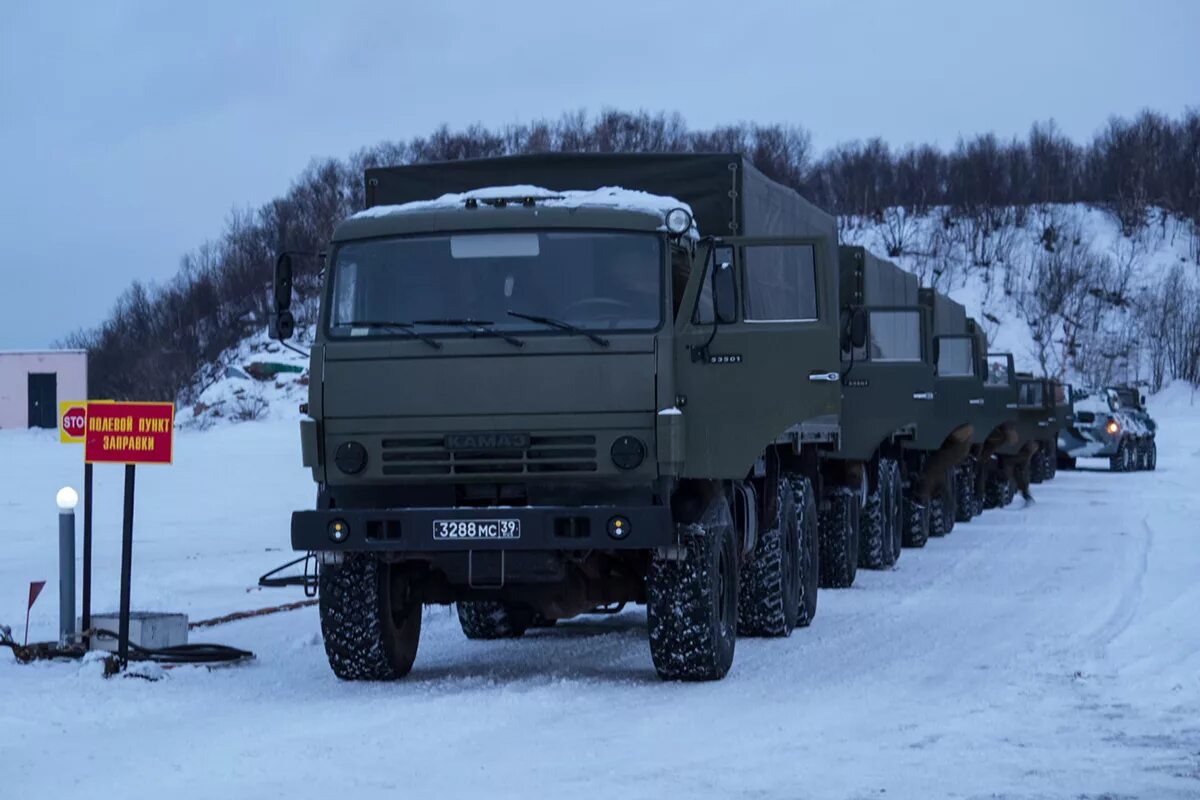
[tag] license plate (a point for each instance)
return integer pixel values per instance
(477, 529)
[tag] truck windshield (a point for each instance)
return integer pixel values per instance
(596, 280)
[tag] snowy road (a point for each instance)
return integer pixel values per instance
(1051, 651)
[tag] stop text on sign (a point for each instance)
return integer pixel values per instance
(130, 433)
(72, 420)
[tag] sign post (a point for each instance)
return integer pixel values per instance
(72, 429)
(129, 434)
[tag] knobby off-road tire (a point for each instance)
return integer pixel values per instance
(1152, 456)
(1119, 461)
(997, 488)
(491, 619)
(977, 507)
(839, 540)
(370, 619)
(810, 549)
(769, 586)
(879, 520)
(916, 521)
(691, 606)
(1037, 466)
(964, 490)
(941, 508)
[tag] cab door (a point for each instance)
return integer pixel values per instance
(757, 355)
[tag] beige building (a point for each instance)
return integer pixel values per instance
(32, 382)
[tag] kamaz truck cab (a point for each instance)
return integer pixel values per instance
(887, 394)
(534, 394)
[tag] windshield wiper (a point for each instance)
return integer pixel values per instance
(475, 326)
(562, 326)
(400, 327)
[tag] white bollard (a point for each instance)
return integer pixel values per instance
(66, 499)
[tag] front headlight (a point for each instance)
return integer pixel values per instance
(628, 452)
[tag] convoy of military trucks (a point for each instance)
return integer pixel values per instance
(535, 395)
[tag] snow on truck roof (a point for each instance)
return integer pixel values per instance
(610, 197)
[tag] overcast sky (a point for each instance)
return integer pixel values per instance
(128, 131)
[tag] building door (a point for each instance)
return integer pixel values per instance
(43, 400)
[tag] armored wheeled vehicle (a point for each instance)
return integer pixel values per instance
(1110, 423)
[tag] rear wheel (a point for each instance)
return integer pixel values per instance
(897, 509)
(810, 549)
(941, 508)
(964, 490)
(916, 522)
(879, 520)
(839, 540)
(691, 605)
(769, 586)
(1152, 456)
(491, 619)
(370, 619)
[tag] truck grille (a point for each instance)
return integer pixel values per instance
(427, 456)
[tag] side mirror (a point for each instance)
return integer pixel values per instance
(282, 324)
(858, 328)
(723, 287)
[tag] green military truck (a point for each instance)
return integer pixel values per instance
(887, 396)
(1043, 466)
(1033, 421)
(551, 395)
(945, 439)
(999, 410)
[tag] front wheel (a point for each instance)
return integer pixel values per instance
(691, 605)
(370, 619)
(1120, 460)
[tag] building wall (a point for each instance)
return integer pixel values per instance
(69, 365)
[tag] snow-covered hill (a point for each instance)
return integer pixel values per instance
(1062, 287)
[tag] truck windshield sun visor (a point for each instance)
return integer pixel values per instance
(574, 281)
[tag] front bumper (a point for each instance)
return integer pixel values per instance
(1088, 443)
(410, 530)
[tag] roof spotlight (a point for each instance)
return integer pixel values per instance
(679, 221)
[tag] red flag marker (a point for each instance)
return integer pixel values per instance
(35, 588)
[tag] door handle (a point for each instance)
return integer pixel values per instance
(922, 395)
(824, 377)
(976, 401)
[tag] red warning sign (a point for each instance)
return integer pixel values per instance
(129, 433)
